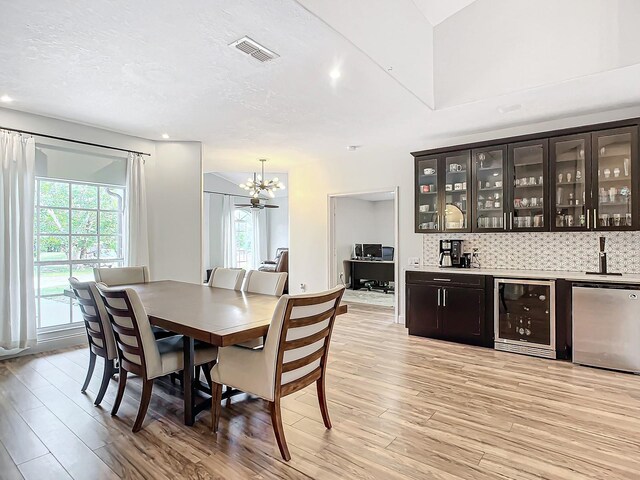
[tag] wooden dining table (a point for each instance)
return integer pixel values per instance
(217, 316)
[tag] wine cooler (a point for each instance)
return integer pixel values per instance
(525, 317)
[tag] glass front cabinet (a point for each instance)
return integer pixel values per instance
(594, 182)
(586, 181)
(442, 193)
(489, 209)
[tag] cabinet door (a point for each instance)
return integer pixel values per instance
(615, 178)
(528, 174)
(489, 213)
(422, 310)
(427, 199)
(457, 181)
(462, 314)
(570, 182)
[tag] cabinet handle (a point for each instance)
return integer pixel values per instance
(504, 221)
(510, 220)
(588, 218)
(441, 279)
(444, 297)
(439, 296)
(595, 218)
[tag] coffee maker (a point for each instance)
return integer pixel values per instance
(451, 254)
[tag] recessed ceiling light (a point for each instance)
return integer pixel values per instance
(335, 74)
(165, 136)
(6, 99)
(353, 148)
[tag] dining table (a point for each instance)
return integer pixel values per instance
(198, 312)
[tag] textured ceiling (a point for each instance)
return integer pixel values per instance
(154, 66)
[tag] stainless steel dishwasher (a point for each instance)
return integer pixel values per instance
(606, 326)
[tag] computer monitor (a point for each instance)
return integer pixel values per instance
(372, 250)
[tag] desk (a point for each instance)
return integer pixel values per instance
(217, 316)
(382, 271)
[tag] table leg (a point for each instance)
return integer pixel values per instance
(187, 380)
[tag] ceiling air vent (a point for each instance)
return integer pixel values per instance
(257, 51)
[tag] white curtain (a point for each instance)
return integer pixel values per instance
(259, 244)
(228, 235)
(17, 189)
(136, 232)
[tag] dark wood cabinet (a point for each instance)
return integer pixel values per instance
(463, 312)
(579, 179)
(448, 307)
(423, 310)
(443, 185)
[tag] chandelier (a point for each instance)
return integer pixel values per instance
(259, 184)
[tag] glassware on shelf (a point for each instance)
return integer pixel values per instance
(613, 182)
(489, 195)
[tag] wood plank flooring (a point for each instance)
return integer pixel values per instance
(402, 408)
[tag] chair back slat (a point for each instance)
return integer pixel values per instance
(301, 382)
(133, 335)
(304, 337)
(96, 320)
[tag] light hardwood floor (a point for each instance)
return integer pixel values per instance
(402, 407)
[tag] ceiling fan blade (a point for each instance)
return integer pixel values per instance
(271, 206)
(243, 205)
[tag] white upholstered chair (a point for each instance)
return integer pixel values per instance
(138, 350)
(229, 278)
(117, 276)
(294, 356)
(267, 283)
(99, 333)
(121, 275)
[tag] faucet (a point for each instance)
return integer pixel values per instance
(602, 258)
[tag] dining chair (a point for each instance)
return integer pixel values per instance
(229, 278)
(116, 276)
(138, 350)
(99, 333)
(294, 356)
(266, 283)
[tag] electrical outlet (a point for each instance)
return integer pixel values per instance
(414, 261)
(303, 287)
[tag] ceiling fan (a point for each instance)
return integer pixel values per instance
(255, 203)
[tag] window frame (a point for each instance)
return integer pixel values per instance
(70, 262)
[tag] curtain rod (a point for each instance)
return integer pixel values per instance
(74, 141)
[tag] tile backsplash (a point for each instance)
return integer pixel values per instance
(575, 251)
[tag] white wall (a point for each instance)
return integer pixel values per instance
(383, 213)
(501, 55)
(174, 199)
(278, 225)
(173, 189)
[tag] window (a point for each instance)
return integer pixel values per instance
(78, 226)
(243, 232)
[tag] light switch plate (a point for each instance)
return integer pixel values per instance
(414, 261)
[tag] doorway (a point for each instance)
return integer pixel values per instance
(363, 247)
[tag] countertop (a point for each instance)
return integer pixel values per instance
(631, 278)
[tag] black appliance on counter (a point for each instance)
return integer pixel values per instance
(451, 254)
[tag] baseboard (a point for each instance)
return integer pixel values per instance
(66, 339)
(401, 319)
